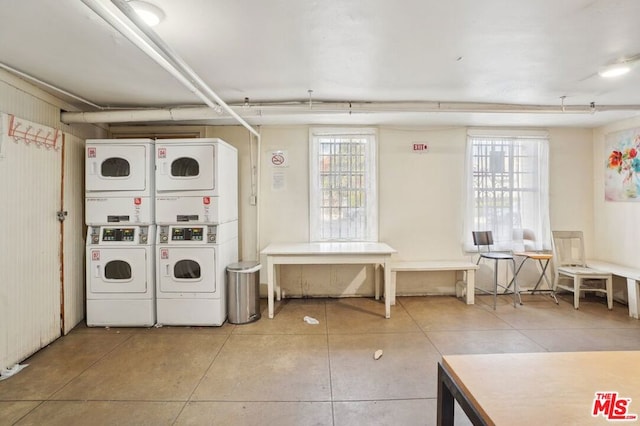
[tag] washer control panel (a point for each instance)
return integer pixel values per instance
(118, 234)
(187, 234)
(113, 235)
(171, 234)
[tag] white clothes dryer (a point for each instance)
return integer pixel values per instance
(196, 181)
(119, 177)
(190, 279)
(120, 276)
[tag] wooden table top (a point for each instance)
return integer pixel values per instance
(545, 388)
(534, 255)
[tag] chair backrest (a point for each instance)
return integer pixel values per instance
(525, 238)
(568, 248)
(482, 239)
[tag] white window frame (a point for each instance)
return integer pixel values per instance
(317, 226)
(525, 190)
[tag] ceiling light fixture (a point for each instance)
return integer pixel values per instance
(618, 68)
(152, 15)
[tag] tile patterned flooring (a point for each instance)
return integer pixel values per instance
(286, 372)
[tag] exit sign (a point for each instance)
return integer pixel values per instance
(420, 147)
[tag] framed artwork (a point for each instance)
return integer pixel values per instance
(622, 166)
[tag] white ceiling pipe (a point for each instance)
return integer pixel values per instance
(158, 45)
(47, 85)
(147, 47)
(204, 113)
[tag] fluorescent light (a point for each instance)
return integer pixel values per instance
(149, 13)
(614, 70)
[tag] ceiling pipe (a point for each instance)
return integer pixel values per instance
(157, 50)
(33, 79)
(318, 107)
(178, 63)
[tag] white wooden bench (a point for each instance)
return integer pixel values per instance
(467, 268)
(633, 281)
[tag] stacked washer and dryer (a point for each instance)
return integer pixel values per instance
(119, 213)
(162, 222)
(196, 201)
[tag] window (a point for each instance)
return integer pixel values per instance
(343, 203)
(507, 189)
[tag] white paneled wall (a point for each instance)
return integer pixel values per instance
(30, 234)
(30, 263)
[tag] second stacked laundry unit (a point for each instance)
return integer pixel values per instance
(197, 235)
(119, 212)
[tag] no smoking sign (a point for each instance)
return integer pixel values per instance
(279, 158)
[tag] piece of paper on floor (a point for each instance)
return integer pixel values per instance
(5, 373)
(311, 320)
(377, 354)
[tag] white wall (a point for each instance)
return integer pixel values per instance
(420, 202)
(616, 230)
(239, 137)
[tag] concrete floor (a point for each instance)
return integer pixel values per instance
(286, 372)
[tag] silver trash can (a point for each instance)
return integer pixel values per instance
(243, 292)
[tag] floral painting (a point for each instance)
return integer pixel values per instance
(622, 168)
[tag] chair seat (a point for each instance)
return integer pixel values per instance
(495, 255)
(580, 270)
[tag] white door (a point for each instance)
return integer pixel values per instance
(116, 167)
(186, 269)
(117, 270)
(185, 168)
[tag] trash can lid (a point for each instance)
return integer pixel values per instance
(247, 266)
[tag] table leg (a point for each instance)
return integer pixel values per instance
(471, 286)
(633, 294)
(376, 278)
(277, 283)
(270, 276)
(448, 392)
(389, 291)
(445, 400)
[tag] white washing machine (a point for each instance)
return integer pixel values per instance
(196, 181)
(190, 279)
(120, 276)
(119, 176)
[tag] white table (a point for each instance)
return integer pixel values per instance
(328, 254)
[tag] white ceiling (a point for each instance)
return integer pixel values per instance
(490, 51)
